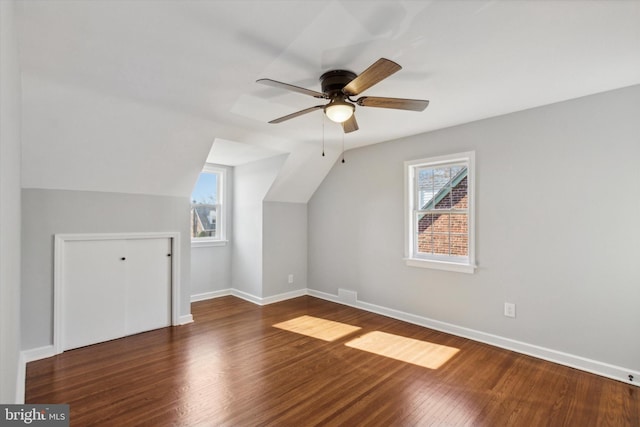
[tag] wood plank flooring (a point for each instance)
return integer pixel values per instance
(232, 367)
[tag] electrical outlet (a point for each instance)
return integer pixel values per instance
(509, 309)
(290, 278)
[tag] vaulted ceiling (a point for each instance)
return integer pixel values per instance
(130, 95)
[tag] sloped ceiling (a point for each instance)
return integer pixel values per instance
(129, 96)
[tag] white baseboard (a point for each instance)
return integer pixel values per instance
(578, 362)
(328, 297)
(21, 379)
(283, 297)
(246, 296)
(185, 319)
(268, 300)
(210, 295)
(37, 353)
(25, 357)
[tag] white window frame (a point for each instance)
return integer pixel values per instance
(412, 259)
(221, 218)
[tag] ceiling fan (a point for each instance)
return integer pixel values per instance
(339, 86)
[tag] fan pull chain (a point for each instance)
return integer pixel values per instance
(342, 147)
(322, 135)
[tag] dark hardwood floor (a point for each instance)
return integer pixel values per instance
(232, 367)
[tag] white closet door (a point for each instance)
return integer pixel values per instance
(93, 290)
(114, 288)
(148, 285)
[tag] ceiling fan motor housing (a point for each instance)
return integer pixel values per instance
(333, 81)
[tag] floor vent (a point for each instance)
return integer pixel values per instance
(348, 297)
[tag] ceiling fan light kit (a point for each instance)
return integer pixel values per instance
(338, 86)
(339, 111)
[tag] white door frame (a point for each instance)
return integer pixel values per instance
(59, 274)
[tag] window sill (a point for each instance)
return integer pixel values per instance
(440, 265)
(208, 243)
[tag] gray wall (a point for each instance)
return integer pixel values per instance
(251, 182)
(49, 212)
(9, 208)
(210, 269)
(557, 228)
(211, 265)
(284, 247)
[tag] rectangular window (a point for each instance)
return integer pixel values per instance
(439, 212)
(207, 207)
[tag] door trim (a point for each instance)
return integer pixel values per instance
(59, 274)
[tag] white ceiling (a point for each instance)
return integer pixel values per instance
(472, 60)
(233, 153)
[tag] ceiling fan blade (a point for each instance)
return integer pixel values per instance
(396, 103)
(287, 86)
(378, 71)
(350, 125)
(296, 114)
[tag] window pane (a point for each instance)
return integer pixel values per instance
(441, 177)
(443, 199)
(460, 223)
(206, 189)
(425, 222)
(425, 186)
(455, 170)
(204, 206)
(442, 187)
(441, 223)
(424, 243)
(459, 195)
(441, 244)
(459, 245)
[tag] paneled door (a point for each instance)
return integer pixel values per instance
(93, 292)
(114, 288)
(148, 285)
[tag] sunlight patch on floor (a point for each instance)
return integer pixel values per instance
(326, 330)
(409, 350)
